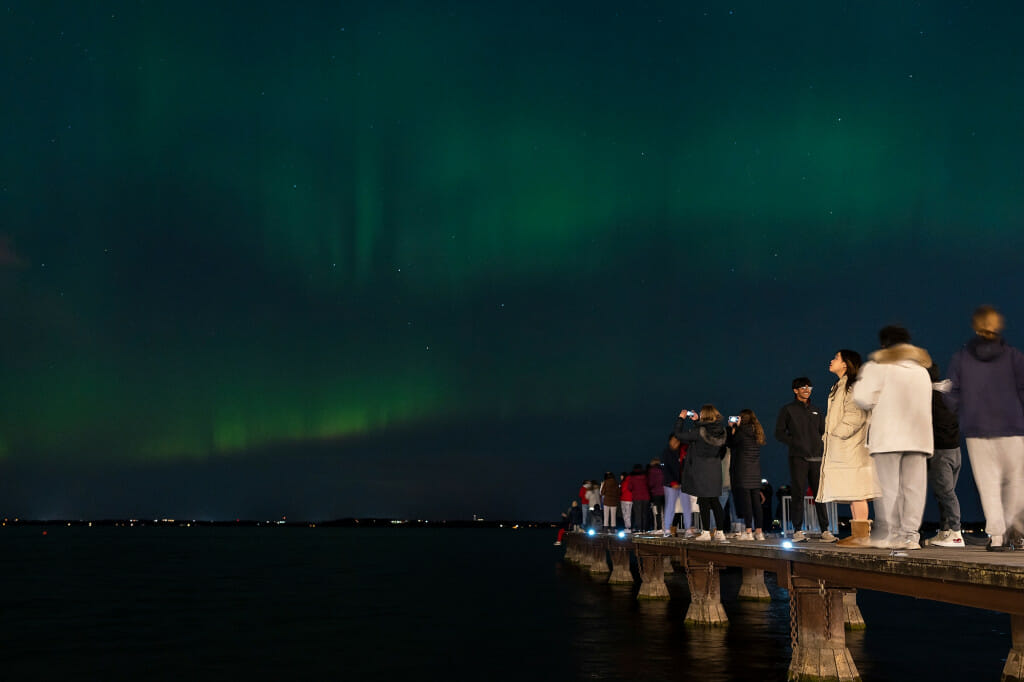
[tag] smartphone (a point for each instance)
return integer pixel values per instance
(691, 414)
(734, 420)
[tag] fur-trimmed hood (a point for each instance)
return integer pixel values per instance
(713, 433)
(902, 352)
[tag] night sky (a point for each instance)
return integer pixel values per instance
(431, 259)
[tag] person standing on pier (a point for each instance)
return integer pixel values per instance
(641, 498)
(672, 469)
(894, 385)
(800, 426)
(702, 475)
(610, 500)
(656, 486)
(986, 389)
(745, 440)
(944, 467)
(626, 501)
(847, 470)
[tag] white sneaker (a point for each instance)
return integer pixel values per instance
(719, 536)
(941, 535)
(747, 536)
(759, 536)
(703, 537)
(951, 538)
(827, 536)
(799, 536)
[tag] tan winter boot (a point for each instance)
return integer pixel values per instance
(861, 536)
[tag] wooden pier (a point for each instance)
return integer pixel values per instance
(822, 581)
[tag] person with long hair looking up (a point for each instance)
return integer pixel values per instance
(745, 440)
(847, 470)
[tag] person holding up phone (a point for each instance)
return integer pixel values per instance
(702, 475)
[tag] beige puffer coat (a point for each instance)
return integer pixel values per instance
(847, 470)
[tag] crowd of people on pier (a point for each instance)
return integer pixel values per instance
(891, 429)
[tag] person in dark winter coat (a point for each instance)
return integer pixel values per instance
(944, 467)
(702, 475)
(800, 427)
(986, 390)
(745, 440)
(641, 498)
(655, 484)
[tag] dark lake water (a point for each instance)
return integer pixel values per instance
(406, 603)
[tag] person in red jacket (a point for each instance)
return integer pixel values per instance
(641, 498)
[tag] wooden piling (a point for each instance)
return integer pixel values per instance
(652, 576)
(753, 588)
(705, 584)
(854, 619)
(817, 617)
(1013, 671)
(620, 575)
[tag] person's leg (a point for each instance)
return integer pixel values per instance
(914, 482)
(754, 500)
(982, 453)
(671, 495)
(688, 502)
(705, 511)
(1011, 457)
(716, 508)
(627, 514)
(745, 512)
(814, 479)
(859, 510)
(607, 515)
(887, 464)
(798, 482)
(942, 472)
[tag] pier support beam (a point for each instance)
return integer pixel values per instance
(753, 588)
(854, 619)
(668, 565)
(1013, 671)
(652, 576)
(817, 617)
(705, 595)
(597, 558)
(621, 575)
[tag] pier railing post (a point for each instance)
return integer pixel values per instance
(652, 576)
(753, 588)
(817, 619)
(705, 595)
(1013, 671)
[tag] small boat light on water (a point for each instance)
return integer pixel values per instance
(591, 532)
(621, 534)
(786, 544)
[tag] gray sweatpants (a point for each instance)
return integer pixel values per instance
(943, 473)
(904, 480)
(998, 466)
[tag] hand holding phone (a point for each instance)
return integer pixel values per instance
(734, 420)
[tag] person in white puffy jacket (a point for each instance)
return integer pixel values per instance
(895, 386)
